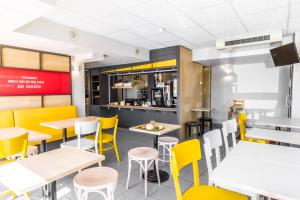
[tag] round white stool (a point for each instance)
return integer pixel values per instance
(102, 180)
(166, 143)
(145, 156)
(32, 150)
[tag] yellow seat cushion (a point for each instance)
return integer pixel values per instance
(32, 118)
(211, 193)
(7, 119)
(106, 137)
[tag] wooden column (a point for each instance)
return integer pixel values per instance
(190, 88)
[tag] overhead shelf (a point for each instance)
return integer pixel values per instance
(171, 63)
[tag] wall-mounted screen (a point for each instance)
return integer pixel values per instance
(14, 82)
(285, 55)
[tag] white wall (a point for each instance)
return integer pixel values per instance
(78, 90)
(261, 85)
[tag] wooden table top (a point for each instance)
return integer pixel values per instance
(279, 122)
(167, 128)
(202, 109)
(68, 123)
(274, 135)
(33, 136)
(34, 172)
(264, 169)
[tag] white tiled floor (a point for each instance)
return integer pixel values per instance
(126, 141)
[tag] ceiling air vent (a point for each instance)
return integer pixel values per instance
(250, 39)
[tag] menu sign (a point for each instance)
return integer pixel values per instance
(14, 82)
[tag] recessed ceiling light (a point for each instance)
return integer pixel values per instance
(162, 29)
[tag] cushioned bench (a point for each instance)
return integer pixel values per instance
(31, 119)
(7, 119)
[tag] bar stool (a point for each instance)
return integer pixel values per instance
(188, 128)
(145, 156)
(96, 180)
(206, 119)
(166, 143)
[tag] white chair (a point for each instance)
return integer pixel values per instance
(166, 143)
(212, 141)
(82, 129)
(229, 127)
(101, 180)
(145, 156)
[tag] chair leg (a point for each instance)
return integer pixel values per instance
(146, 177)
(164, 155)
(141, 170)
(170, 154)
(116, 151)
(157, 171)
(129, 172)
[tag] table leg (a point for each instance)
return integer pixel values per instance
(65, 135)
(152, 176)
(202, 123)
(52, 191)
(43, 146)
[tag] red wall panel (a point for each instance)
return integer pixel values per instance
(15, 82)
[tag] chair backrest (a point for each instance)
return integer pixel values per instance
(86, 128)
(229, 127)
(242, 118)
(108, 123)
(212, 141)
(183, 154)
(13, 146)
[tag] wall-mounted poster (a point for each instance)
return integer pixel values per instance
(14, 82)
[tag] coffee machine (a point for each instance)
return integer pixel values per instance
(157, 97)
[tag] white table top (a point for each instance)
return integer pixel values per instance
(68, 123)
(265, 169)
(202, 109)
(33, 136)
(279, 122)
(36, 171)
(274, 135)
(167, 128)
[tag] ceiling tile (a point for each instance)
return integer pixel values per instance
(263, 22)
(127, 4)
(123, 36)
(213, 13)
(74, 20)
(123, 20)
(194, 35)
(191, 5)
(182, 43)
(163, 37)
(144, 30)
(145, 43)
(13, 17)
(226, 28)
(162, 14)
(252, 6)
(94, 9)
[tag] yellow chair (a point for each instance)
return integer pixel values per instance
(108, 139)
(242, 118)
(189, 152)
(9, 148)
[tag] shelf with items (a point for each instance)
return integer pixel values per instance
(95, 89)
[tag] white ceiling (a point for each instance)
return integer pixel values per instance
(192, 23)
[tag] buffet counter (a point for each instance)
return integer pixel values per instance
(162, 109)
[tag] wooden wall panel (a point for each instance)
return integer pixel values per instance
(190, 87)
(20, 58)
(207, 87)
(54, 62)
(15, 102)
(57, 100)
